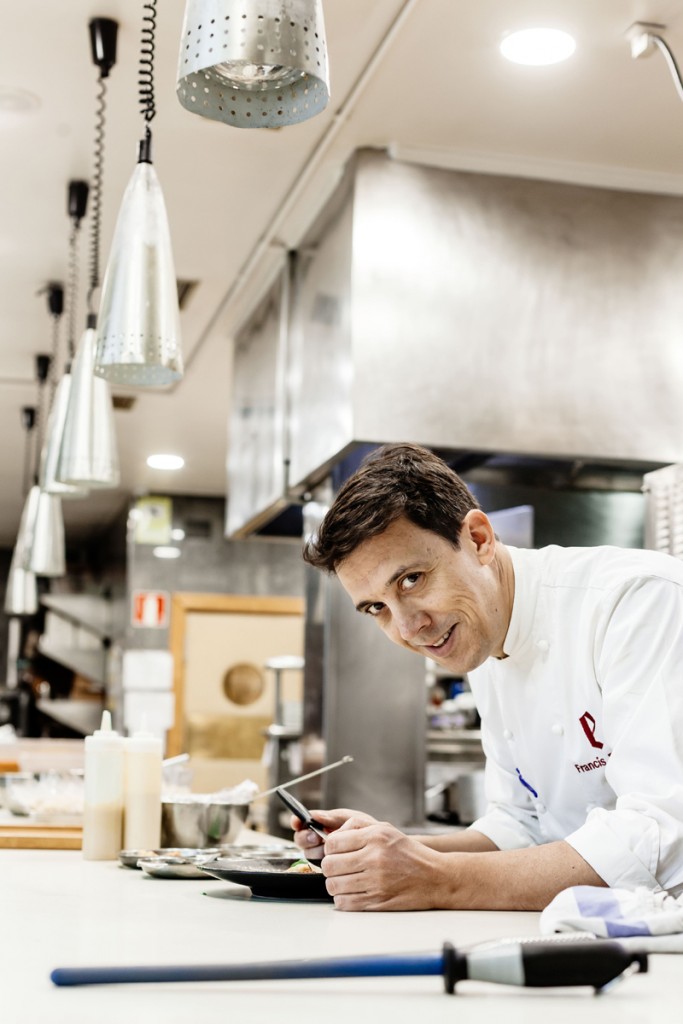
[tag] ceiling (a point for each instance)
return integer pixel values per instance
(423, 78)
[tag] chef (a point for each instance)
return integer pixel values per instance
(575, 660)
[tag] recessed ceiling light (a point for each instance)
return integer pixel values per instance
(177, 534)
(17, 101)
(164, 552)
(538, 46)
(165, 461)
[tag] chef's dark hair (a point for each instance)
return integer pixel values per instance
(393, 481)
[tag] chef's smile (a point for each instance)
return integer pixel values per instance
(441, 645)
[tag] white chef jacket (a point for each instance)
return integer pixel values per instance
(582, 722)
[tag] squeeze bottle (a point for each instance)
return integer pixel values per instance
(142, 792)
(103, 800)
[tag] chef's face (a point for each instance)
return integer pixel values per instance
(449, 604)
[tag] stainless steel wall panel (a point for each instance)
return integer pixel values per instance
(374, 709)
(511, 315)
(321, 378)
(257, 441)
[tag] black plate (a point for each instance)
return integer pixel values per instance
(270, 878)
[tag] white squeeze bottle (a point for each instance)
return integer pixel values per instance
(103, 801)
(142, 799)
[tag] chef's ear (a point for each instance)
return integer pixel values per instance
(478, 531)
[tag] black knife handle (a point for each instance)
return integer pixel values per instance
(539, 964)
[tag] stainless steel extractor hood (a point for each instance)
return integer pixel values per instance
(477, 312)
(471, 313)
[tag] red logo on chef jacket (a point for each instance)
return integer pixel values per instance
(588, 724)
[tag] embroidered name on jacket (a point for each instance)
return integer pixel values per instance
(599, 762)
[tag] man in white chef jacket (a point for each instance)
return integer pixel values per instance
(575, 659)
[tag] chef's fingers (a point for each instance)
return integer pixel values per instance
(358, 819)
(308, 841)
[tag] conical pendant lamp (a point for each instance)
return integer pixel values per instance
(254, 63)
(40, 541)
(49, 459)
(139, 325)
(21, 591)
(88, 455)
(41, 534)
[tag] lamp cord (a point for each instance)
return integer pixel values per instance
(98, 170)
(28, 459)
(72, 288)
(146, 70)
(671, 61)
(53, 360)
(39, 431)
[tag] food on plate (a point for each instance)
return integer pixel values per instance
(304, 867)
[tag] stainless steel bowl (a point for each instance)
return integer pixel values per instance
(8, 780)
(197, 823)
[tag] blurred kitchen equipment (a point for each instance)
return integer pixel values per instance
(169, 762)
(6, 780)
(536, 964)
(54, 797)
(200, 821)
(467, 797)
(347, 759)
(282, 738)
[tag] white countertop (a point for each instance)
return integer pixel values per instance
(58, 910)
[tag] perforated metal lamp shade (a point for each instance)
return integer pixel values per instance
(88, 456)
(138, 340)
(254, 63)
(21, 592)
(49, 457)
(40, 542)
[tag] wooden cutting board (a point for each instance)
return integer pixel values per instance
(40, 837)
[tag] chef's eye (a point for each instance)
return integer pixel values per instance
(409, 581)
(374, 609)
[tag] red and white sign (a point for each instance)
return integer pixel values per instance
(150, 608)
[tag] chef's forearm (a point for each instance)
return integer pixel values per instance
(525, 879)
(465, 840)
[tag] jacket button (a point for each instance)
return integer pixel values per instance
(542, 645)
(557, 728)
(540, 808)
(507, 735)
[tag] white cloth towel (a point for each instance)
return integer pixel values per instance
(640, 919)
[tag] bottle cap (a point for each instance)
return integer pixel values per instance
(105, 733)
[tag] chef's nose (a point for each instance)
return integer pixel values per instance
(409, 622)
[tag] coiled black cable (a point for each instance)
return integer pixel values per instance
(52, 379)
(96, 210)
(71, 290)
(146, 70)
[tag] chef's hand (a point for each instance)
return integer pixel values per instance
(370, 865)
(332, 820)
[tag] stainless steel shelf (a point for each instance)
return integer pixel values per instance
(455, 745)
(87, 662)
(83, 716)
(97, 615)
